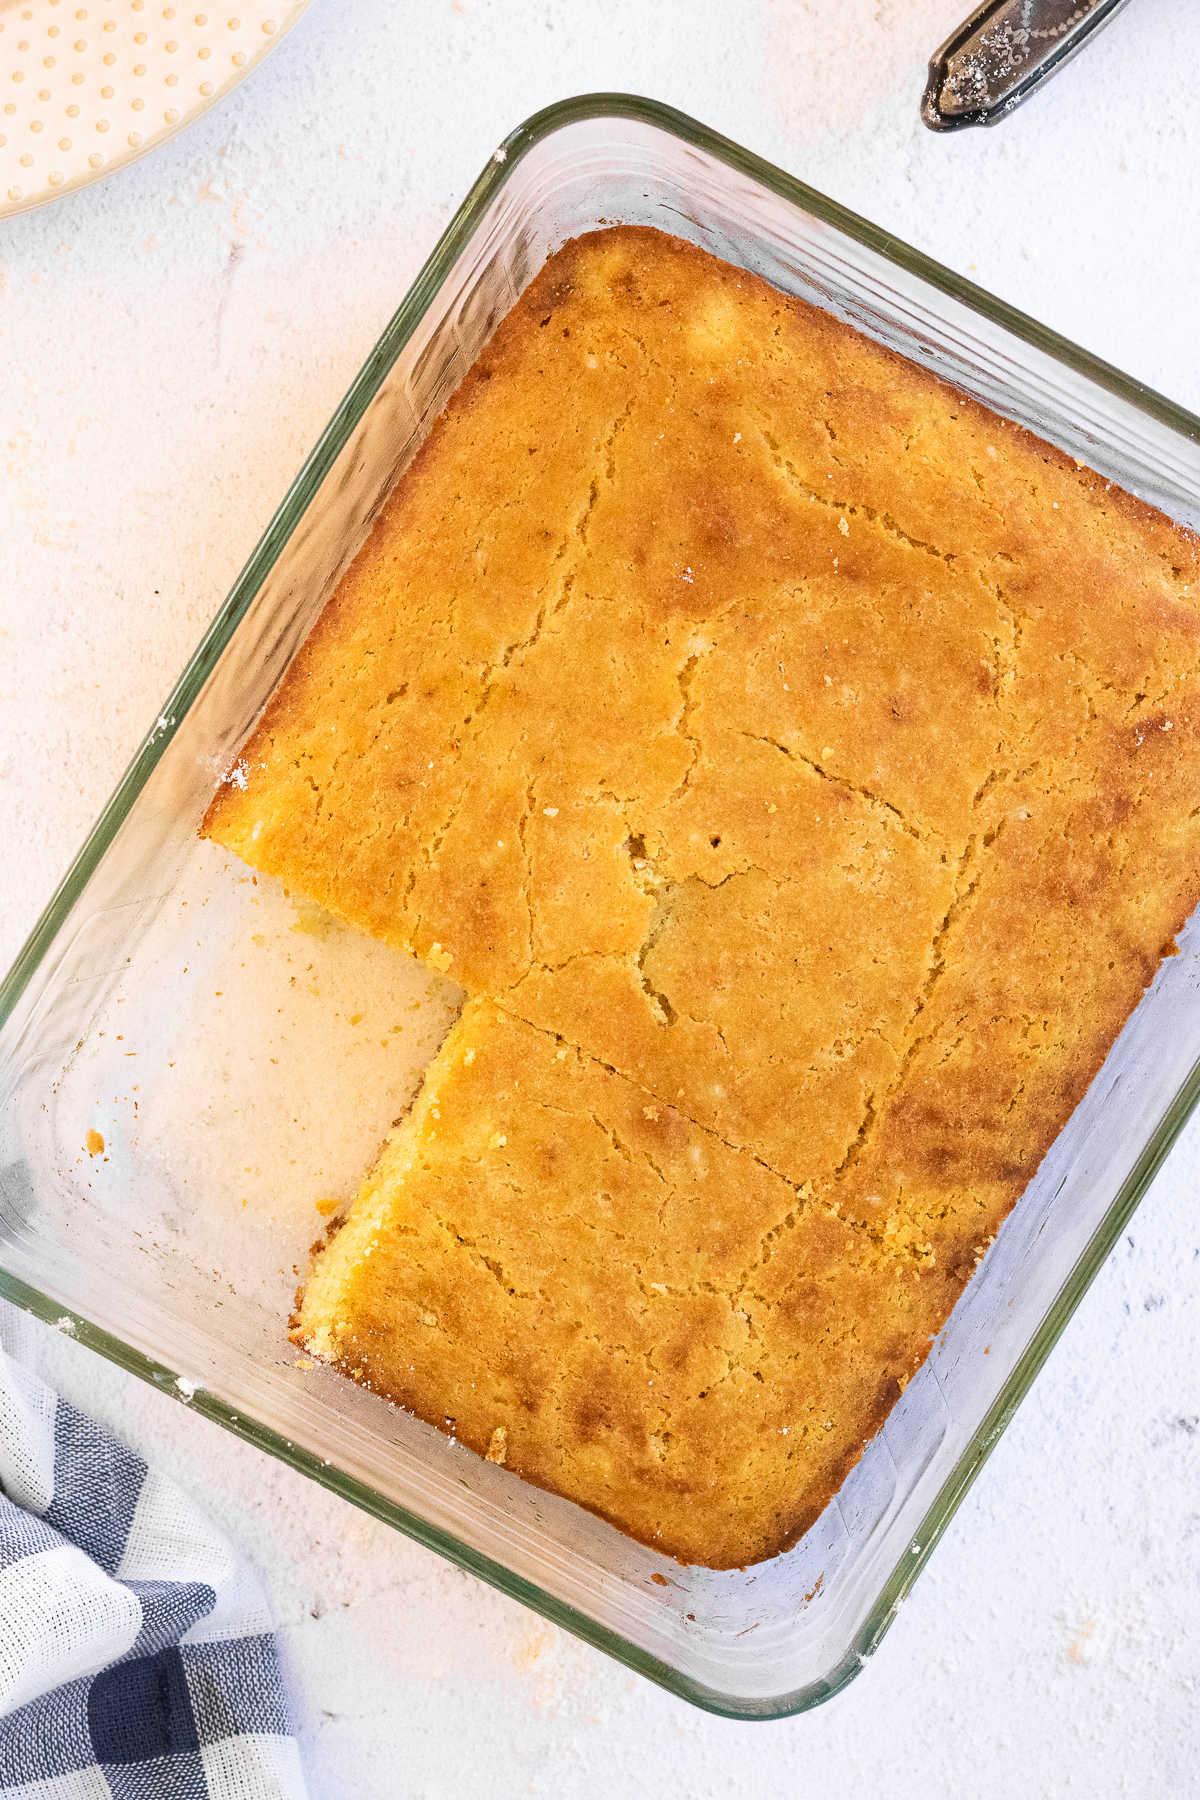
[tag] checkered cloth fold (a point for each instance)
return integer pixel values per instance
(137, 1659)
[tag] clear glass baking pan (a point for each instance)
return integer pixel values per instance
(188, 1060)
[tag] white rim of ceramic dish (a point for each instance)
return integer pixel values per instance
(89, 86)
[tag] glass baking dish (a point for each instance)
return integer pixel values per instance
(188, 1060)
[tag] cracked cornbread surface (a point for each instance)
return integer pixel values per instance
(809, 749)
(583, 1284)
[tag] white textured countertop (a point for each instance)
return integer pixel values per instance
(173, 341)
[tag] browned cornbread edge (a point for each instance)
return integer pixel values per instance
(682, 1553)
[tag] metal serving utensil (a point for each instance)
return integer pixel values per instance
(1001, 53)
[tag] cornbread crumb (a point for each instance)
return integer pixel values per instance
(94, 1142)
(312, 921)
(497, 1449)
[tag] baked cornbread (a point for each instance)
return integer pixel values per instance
(578, 1282)
(781, 735)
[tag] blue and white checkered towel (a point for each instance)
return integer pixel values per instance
(137, 1660)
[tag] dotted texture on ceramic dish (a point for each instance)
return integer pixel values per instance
(85, 88)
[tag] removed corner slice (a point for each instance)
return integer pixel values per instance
(576, 1281)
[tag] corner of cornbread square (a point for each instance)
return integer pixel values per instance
(577, 1281)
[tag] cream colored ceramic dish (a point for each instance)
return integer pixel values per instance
(88, 85)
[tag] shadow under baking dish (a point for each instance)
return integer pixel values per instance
(189, 1060)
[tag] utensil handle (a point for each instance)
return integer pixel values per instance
(1000, 54)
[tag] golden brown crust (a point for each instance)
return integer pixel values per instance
(608, 1299)
(725, 696)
